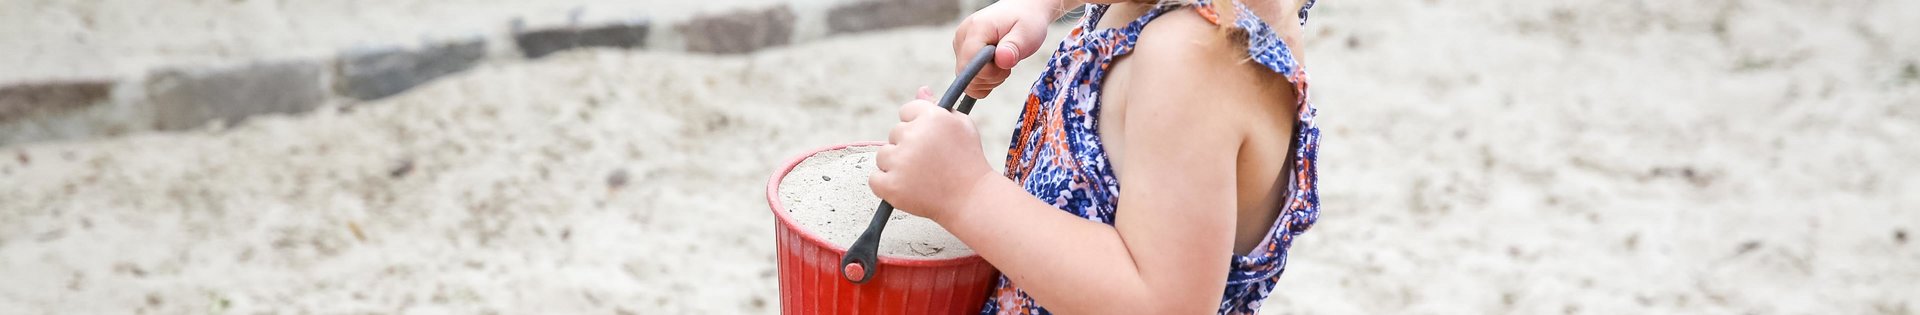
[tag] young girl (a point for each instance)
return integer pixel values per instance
(1198, 109)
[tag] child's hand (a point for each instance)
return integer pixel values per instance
(931, 162)
(1015, 27)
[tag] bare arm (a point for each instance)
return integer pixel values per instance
(1169, 251)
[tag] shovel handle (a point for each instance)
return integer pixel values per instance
(863, 258)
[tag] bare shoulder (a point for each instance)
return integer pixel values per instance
(1174, 84)
(1181, 40)
(1182, 55)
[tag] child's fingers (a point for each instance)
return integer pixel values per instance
(899, 131)
(924, 94)
(1017, 32)
(883, 158)
(970, 37)
(914, 109)
(984, 83)
(1006, 54)
(1020, 41)
(878, 183)
(881, 182)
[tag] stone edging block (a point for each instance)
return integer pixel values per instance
(374, 74)
(884, 14)
(540, 43)
(34, 98)
(184, 99)
(740, 31)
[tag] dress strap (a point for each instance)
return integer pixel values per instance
(1091, 17)
(1124, 37)
(1264, 44)
(1209, 5)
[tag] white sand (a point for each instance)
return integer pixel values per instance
(1563, 157)
(125, 38)
(506, 204)
(828, 195)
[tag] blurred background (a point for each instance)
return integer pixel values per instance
(584, 156)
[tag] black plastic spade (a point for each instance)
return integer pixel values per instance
(863, 258)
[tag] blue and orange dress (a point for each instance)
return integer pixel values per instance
(1056, 153)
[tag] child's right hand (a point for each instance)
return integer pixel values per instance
(1016, 27)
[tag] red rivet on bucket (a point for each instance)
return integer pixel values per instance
(854, 272)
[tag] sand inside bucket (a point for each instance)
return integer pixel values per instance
(828, 195)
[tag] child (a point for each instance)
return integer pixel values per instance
(1198, 109)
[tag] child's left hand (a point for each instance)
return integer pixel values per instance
(931, 162)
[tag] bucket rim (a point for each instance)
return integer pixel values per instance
(780, 214)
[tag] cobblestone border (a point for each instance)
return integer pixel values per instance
(187, 98)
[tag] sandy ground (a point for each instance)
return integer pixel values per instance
(124, 38)
(1513, 157)
(588, 182)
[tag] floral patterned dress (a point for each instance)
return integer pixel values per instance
(1057, 154)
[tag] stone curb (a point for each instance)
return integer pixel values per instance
(26, 100)
(185, 98)
(740, 31)
(540, 43)
(884, 14)
(375, 74)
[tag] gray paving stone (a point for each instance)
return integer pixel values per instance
(740, 31)
(31, 98)
(629, 35)
(871, 15)
(542, 42)
(184, 99)
(374, 74)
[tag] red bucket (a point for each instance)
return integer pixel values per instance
(810, 280)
